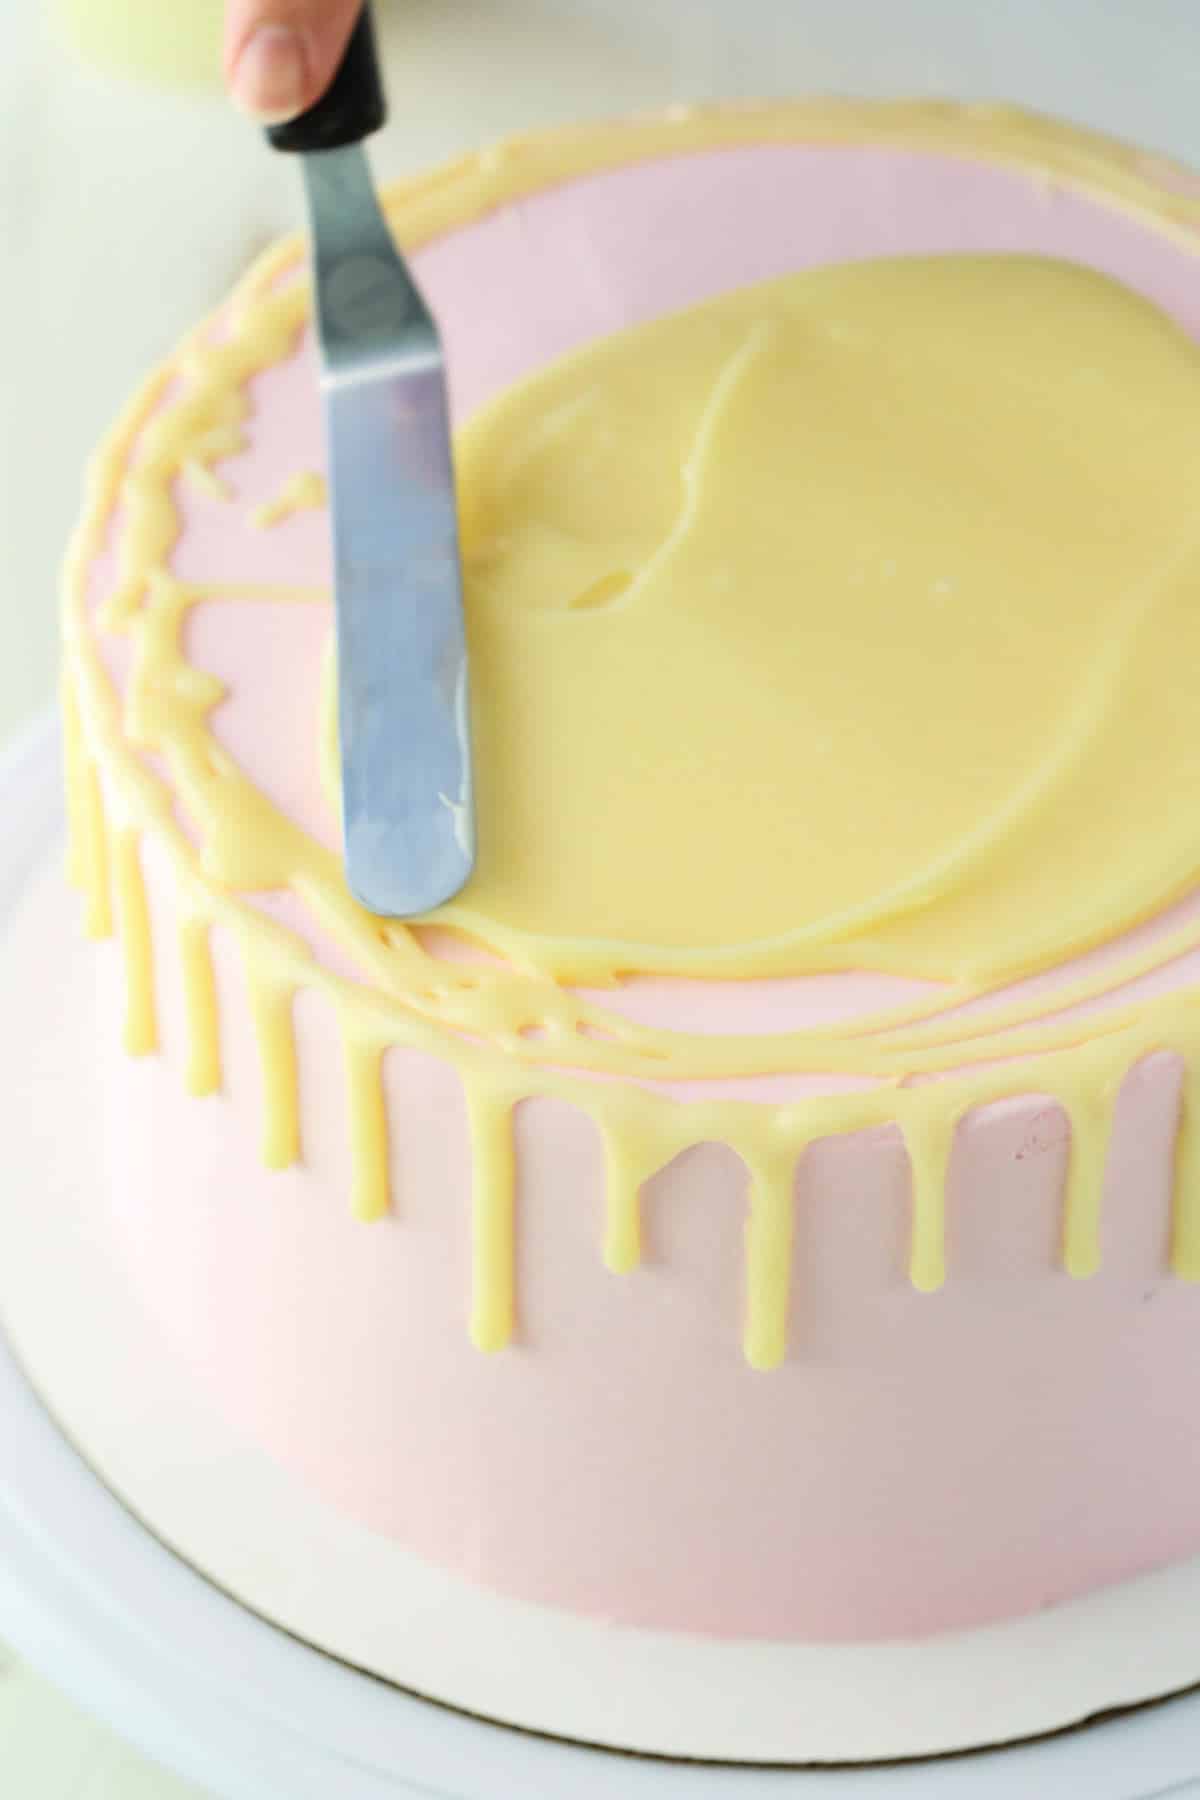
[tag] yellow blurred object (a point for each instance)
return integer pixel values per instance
(175, 44)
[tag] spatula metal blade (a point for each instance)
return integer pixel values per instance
(408, 818)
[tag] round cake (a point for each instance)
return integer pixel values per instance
(764, 1205)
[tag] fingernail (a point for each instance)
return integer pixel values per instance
(271, 73)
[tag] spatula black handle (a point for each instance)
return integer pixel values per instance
(352, 106)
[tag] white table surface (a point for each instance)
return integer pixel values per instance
(126, 212)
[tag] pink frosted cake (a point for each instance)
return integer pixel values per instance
(765, 1205)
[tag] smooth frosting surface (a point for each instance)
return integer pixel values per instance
(754, 591)
(196, 638)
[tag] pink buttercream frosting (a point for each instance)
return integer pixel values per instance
(920, 1462)
(542, 275)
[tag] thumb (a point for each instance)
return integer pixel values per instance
(281, 55)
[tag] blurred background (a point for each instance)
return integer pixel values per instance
(131, 195)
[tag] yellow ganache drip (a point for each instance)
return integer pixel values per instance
(835, 624)
(831, 623)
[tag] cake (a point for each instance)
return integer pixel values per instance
(765, 1205)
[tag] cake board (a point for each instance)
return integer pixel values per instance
(245, 1708)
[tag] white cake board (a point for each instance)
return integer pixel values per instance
(246, 1710)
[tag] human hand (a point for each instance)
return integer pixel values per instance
(281, 55)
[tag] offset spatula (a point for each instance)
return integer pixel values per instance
(408, 818)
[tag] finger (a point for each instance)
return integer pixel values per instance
(280, 55)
